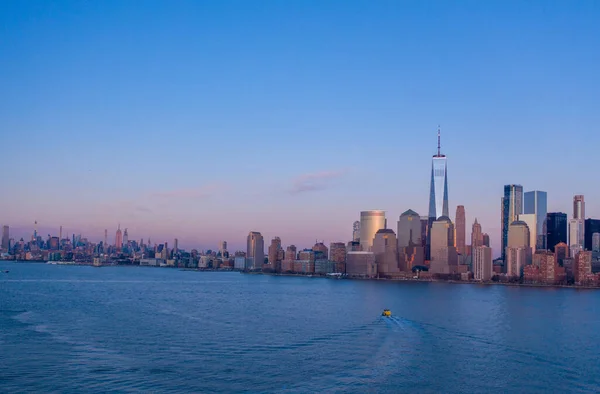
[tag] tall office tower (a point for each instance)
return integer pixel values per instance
(582, 268)
(119, 238)
(255, 250)
(512, 207)
(290, 253)
(486, 239)
(424, 231)
(438, 192)
(370, 223)
(576, 233)
(518, 250)
(356, 231)
(274, 250)
(482, 263)
(321, 251)
(105, 238)
(222, 247)
(596, 242)
(5, 237)
(476, 235)
(337, 252)
(536, 202)
(125, 238)
(60, 233)
(409, 229)
(444, 259)
(578, 207)
(591, 227)
(176, 246)
(460, 233)
(556, 229)
(385, 247)
(531, 220)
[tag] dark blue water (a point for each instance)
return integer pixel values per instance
(67, 328)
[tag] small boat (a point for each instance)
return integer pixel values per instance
(386, 313)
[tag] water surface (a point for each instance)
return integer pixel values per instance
(135, 329)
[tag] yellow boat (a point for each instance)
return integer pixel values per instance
(386, 313)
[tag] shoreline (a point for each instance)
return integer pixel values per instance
(455, 282)
(408, 280)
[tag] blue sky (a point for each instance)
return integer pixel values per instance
(205, 120)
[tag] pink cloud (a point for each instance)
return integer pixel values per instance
(315, 181)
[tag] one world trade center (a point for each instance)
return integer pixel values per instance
(438, 192)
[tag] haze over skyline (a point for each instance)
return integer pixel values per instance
(203, 121)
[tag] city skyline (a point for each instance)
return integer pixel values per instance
(205, 140)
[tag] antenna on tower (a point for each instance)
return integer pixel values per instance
(439, 145)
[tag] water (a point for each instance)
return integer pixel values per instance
(131, 329)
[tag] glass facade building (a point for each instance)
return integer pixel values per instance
(556, 229)
(591, 226)
(536, 202)
(512, 207)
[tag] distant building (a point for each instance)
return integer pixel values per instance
(386, 251)
(239, 263)
(578, 207)
(518, 252)
(512, 207)
(576, 234)
(531, 220)
(337, 255)
(291, 252)
(356, 231)
(275, 254)
(411, 256)
(486, 240)
(119, 238)
(536, 203)
(361, 264)
(444, 259)
(222, 247)
(409, 229)
(482, 263)
(596, 242)
(438, 193)
(561, 250)
(255, 250)
(591, 227)
(476, 235)
(556, 229)
(321, 251)
(370, 223)
(582, 268)
(460, 230)
(5, 237)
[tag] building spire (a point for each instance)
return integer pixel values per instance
(439, 144)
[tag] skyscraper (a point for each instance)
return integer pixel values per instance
(255, 250)
(591, 227)
(512, 207)
(556, 229)
(275, 253)
(476, 236)
(125, 237)
(119, 238)
(536, 202)
(578, 207)
(443, 254)
(409, 229)
(518, 250)
(370, 223)
(222, 247)
(385, 247)
(576, 233)
(596, 242)
(460, 232)
(356, 231)
(438, 192)
(5, 237)
(482, 263)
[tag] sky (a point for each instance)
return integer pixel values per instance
(204, 120)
